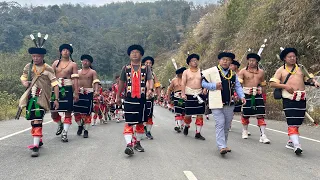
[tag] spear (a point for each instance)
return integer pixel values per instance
(174, 63)
(262, 47)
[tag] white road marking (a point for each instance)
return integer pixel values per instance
(19, 132)
(282, 132)
(190, 175)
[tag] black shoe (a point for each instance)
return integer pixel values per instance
(35, 152)
(223, 151)
(64, 137)
(149, 136)
(177, 129)
(198, 136)
(145, 130)
(186, 130)
(59, 130)
(80, 129)
(129, 151)
(297, 150)
(85, 134)
(40, 143)
(138, 147)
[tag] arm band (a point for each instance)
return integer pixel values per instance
(74, 76)
(95, 81)
(23, 77)
(275, 80)
(240, 80)
(54, 83)
(264, 83)
(157, 84)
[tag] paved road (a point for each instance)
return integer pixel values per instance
(101, 156)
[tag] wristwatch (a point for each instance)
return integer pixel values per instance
(57, 100)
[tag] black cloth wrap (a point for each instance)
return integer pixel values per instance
(192, 106)
(149, 108)
(178, 109)
(294, 111)
(247, 110)
(33, 115)
(66, 102)
(84, 105)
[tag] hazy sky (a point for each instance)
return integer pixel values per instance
(91, 2)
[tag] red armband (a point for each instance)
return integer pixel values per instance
(264, 96)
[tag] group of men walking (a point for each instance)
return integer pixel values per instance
(230, 90)
(63, 88)
(58, 88)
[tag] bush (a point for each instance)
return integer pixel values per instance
(274, 108)
(8, 107)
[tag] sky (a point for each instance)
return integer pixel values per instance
(91, 2)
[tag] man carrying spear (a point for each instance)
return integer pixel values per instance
(291, 79)
(38, 77)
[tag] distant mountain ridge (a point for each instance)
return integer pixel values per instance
(98, 2)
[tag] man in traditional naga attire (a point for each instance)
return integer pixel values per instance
(139, 86)
(253, 82)
(193, 94)
(235, 65)
(39, 79)
(117, 110)
(222, 82)
(99, 106)
(291, 78)
(67, 74)
(149, 61)
(179, 104)
(88, 83)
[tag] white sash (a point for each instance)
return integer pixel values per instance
(215, 98)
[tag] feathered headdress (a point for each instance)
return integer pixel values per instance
(39, 42)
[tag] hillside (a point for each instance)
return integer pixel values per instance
(105, 32)
(244, 24)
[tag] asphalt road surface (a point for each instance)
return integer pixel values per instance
(170, 156)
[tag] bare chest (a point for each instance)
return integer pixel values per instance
(250, 76)
(177, 83)
(63, 70)
(294, 77)
(85, 75)
(193, 76)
